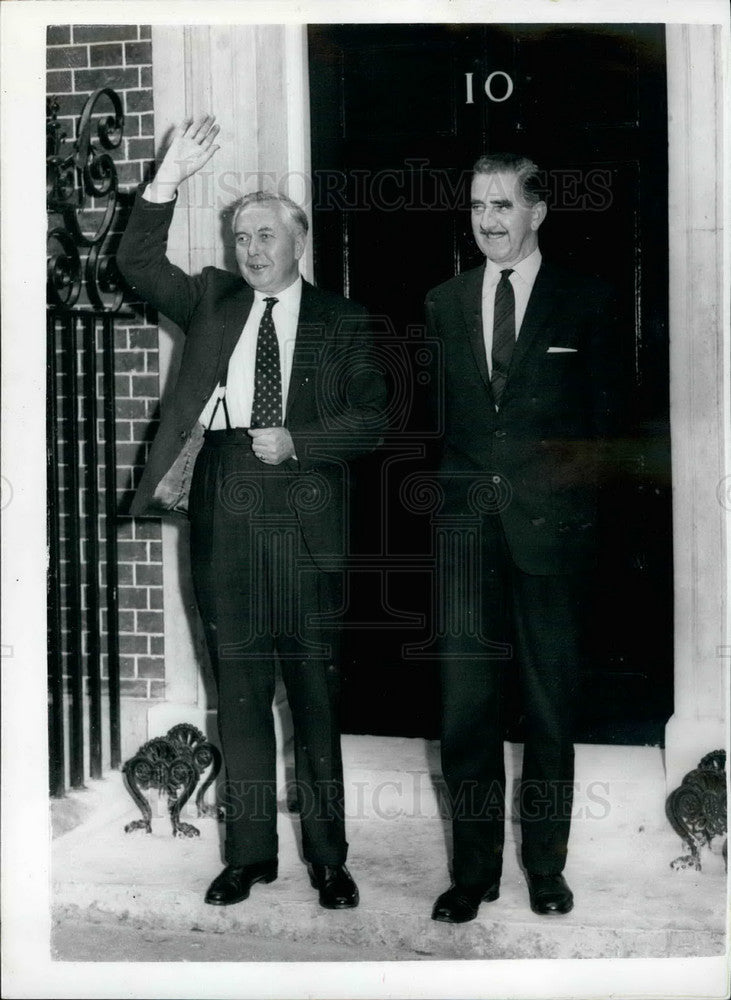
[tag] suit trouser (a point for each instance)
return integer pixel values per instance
(259, 595)
(532, 625)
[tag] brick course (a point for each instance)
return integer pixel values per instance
(105, 32)
(59, 34)
(67, 56)
(106, 55)
(138, 53)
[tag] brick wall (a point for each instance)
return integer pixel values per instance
(80, 60)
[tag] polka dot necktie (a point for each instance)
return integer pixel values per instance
(503, 333)
(266, 410)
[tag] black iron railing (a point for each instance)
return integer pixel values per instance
(83, 300)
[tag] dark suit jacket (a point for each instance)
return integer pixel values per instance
(537, 458)
(336, 397)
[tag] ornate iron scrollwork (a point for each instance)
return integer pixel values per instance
(76, 183)
(60, 177)
(173, 763)
(697, 809)
(64, 268)
(102, 280)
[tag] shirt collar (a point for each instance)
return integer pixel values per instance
(289, 297)
(526, 269)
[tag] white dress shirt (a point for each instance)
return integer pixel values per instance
(522, 279)
(240, 381)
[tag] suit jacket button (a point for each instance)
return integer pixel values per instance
(500, 434)
(496, 479)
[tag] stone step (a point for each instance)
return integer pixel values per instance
(629, 903)
(615, 787)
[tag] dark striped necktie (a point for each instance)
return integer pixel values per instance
(266, 409)
(503, 333)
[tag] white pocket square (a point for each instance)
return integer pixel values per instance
(561, 350)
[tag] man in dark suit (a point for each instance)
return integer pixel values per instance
(280, 376)
(531, 363)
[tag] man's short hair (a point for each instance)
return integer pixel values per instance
(295, 213)
(528, 174)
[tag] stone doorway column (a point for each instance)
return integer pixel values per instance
(699, 401)
(254, 79)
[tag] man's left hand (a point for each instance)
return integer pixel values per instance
(272, 445)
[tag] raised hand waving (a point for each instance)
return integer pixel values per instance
(191, 147)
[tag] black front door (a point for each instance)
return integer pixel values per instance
(399, 114)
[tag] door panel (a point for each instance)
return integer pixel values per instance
(399, 113)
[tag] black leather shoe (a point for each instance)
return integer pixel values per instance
(335, 885)
(549, 894)
(234, 884)
(460, 903)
